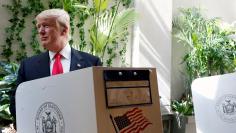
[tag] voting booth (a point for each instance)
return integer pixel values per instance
(214, 100)
(91, 100)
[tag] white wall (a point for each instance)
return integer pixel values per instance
(152, 44)
(225, 9)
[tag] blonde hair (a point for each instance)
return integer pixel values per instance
(61, 16)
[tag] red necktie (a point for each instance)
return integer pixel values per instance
(57, 66)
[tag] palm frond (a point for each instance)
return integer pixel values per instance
(98, 40)
(124, 19)
(104, 22)
(100, 5)
(108, 24)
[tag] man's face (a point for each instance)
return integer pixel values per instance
(50, 34)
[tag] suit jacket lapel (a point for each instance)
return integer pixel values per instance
(43, 66)
(77, 61)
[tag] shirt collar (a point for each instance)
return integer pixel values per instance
(65, 52)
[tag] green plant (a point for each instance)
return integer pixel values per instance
(183, 107)
(8, 75)
(108, 28)
(17, 25)
(210, 51)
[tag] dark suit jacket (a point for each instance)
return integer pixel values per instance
(39, 66)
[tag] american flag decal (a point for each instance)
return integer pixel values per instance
(132, 121)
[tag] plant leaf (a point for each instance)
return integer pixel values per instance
(100, 5)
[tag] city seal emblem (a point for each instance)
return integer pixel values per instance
(49, 119)
(226, 108)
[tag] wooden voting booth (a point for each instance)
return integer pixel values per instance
(91, 100)
(214, 100)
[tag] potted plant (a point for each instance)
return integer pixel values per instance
(184, 112)
(210, 50)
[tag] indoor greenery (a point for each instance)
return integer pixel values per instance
(183, 107)
(102, 27)
(109, 31)
(210, 50)
(16, 28)
(8, 75)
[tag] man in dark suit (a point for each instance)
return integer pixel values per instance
(53, 27)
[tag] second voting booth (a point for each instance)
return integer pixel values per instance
(91, 100)
(214, 100)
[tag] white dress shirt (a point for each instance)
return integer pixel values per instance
(65, 59)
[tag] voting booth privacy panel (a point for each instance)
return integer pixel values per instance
(214, 100)
(91, 100)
